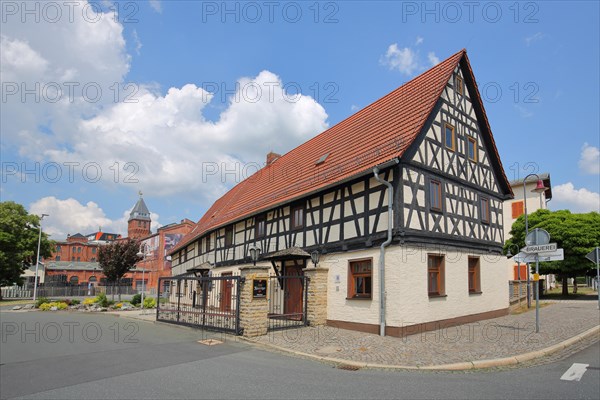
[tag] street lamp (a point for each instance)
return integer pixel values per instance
(37, 264)
(538, 189)
(314, 256)
(142, 254)
(254, 254)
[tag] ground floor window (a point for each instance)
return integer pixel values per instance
(360, 281)
(435, 275)
(138, 284)
(74, 280)
(474, 275)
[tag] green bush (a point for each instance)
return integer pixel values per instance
(149, 302)
(41, 300)
(101, 300)
(137, 299)
(74, 302)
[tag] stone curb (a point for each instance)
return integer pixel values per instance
(479, 364)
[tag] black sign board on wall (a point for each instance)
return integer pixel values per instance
(259, 288)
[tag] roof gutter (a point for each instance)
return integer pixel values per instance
(382, 293)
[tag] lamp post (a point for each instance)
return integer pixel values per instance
(37, 264)
(538, 189)
(314, 256)
(142, 254)
(254, 254)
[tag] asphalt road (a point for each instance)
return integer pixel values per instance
(97, 356)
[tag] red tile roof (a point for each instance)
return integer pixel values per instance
(376, 134)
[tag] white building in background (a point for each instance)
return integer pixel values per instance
(515, 207)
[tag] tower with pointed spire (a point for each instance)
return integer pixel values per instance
(138, 225)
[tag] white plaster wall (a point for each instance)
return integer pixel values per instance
(353, 310)
(407, 299)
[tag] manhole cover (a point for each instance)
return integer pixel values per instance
(210, 342)
(348, 367)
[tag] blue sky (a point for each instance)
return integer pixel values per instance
(129, 96)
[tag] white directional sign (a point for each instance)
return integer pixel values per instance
(539, 248)
(557, 255)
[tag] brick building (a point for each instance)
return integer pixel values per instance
(75, 260)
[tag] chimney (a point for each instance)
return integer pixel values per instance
(271, 157)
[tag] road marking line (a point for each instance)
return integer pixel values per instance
(575, 372)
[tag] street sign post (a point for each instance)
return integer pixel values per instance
(594, 256)
(557, 255)
(538, 244)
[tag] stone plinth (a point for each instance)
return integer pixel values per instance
(253, 311)
(317, 295)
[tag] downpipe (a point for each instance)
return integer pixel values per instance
(382, 293)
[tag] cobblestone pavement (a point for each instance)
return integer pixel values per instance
(506, 336)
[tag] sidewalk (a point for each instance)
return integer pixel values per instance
(501, 341)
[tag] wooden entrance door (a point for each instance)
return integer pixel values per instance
(292, 306)
(226, 285)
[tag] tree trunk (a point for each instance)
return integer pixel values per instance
(565, 285)
(119, 283)
(574, 285)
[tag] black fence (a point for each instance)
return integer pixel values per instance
(288, 297)
(24, 292)
(211, 303)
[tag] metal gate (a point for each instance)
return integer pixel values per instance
(288, 296)
(205, 302)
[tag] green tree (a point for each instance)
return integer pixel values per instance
(19, 232)
(116, 259)
(577, 234)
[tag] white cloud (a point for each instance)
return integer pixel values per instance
(70, 217)
(407, 60)
(404, 60)
(534, 38)
(156, 5)
(589, 161)
(433, 59)
(576, 200)
(176, 149)
(354, 108)
(58, 60)
(137, 41)
(165, 135)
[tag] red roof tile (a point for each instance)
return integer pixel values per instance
(376, 134)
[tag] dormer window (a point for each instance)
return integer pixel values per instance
(322, 159)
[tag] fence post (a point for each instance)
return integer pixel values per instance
(316, 304)
(254, 312)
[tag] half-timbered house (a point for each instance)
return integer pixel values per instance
(403, 202)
